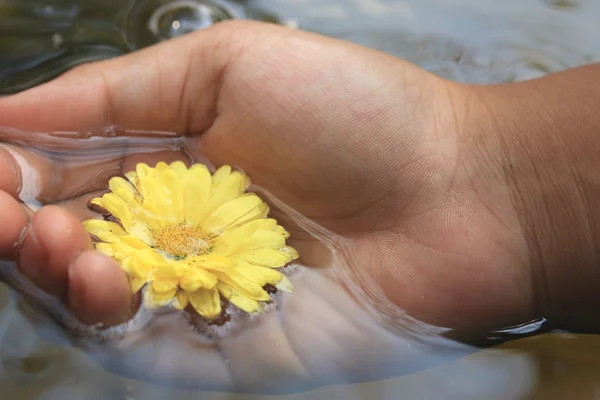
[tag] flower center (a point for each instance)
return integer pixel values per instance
(182, 241)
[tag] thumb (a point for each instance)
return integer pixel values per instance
(172, 86)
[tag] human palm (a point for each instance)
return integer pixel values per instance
(360, 156)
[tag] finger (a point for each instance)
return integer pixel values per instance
(98, 291)
(10, 173)
(13, 222)
(54, 238)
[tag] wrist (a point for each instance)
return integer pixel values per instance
(539, 139)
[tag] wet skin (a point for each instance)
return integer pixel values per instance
(365, 145)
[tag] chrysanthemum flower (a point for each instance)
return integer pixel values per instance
(192, 237)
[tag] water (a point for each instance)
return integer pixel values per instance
(319, 335)
(323, 338)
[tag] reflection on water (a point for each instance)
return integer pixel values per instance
(41, 39)
(318, 336)
(466, 40)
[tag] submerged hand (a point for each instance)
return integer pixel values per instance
(366, 146)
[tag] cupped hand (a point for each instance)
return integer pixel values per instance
(370, 149)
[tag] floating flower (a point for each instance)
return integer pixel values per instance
(192, 237)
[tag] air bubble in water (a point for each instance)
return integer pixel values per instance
(181, 17)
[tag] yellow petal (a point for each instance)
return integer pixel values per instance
(237, 299)
(144, 262)
(126, 191)
(244, 286)
(235, 212)
(265, 257)
(197, 278)
(105, 248)
(132, 177)
(118, 183)
(172, 188)
(162, 286)
(268, 239)
(285, 285)
(206, 302)
(127, 196)
(238, 238)
(108, 237)
(181, 300)
(161, 167)
(117, 207)
(122, 250)
(154, 299)
(226, 186)
(123, 247)
(134, 242)
(279, 229)
(135, 284)
(179, 168)
(156, 200)
(221, 174)
(215, 262)
(165, 278)
(292, 252)
(95, 226)
(147, 219)
(196, 192)
(259, 275)
(142, 170)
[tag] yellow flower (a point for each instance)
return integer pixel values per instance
(193, 237)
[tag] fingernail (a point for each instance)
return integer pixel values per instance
(28, 179)
(18, 245)
(33, 255)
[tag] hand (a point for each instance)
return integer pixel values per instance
(366, 146)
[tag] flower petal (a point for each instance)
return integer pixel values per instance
(136, 284)
(165, 278)
(238, 238)
(196, 192)
(154, 299)
(134, 242)
(267, 239)
(179, 168)
(237, 299)
(144, 262)
(236, 212)
(265, 257)
(197, 278)
(105, 248)
(119, 183)
(156, 200)
(117, 207)
(122, 250)
(181, 300)
(285, 285)
(172, 188)
(206, 302)
(95, 226)
(226, 186)
(292, 252)
(215, 262)
(244, 286)
(142, 170)
(259, 275)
